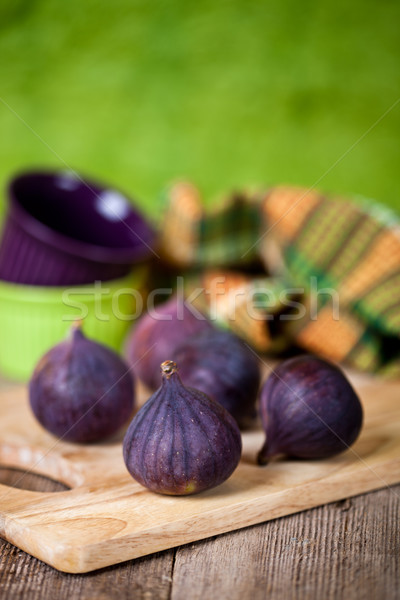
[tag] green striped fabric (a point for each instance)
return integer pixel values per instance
(288, 246)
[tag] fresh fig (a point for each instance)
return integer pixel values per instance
(309, 410)
(181, 442)
(81, 391)
(219, 364)
(156, 336)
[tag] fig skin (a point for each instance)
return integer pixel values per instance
(219, 364)
(308, 410)
(181, 442)
(153, 340)
(81, 391)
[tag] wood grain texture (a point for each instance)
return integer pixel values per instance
(108, 518)
(348, 549)
(27, 578)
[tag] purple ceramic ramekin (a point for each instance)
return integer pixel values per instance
(63, 230)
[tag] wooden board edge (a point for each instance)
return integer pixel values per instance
(75, 559)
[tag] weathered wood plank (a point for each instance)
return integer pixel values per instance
(347, 549)
(23, 577)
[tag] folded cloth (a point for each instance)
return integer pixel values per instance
(329, 280)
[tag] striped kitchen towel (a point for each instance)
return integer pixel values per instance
(293, 267)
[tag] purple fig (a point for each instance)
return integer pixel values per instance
(308, 410)
(181, 442)
(219, 364)
(156, 336)
(81, 391)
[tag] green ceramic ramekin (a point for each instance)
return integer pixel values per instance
(33, 319)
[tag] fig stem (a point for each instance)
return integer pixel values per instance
(77, 325)
(75, 332)
(168, 368)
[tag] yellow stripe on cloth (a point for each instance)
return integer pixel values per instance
(382, 258)
(179, 238)
(328, 336)
(285, 209)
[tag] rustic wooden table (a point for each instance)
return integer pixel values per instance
(347, 549)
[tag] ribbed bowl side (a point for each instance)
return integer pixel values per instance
(29, 327)
(27, 260)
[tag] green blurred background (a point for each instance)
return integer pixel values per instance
(227, 94)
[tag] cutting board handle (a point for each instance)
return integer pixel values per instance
(12, 498)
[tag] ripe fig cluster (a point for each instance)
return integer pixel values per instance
(186, 438)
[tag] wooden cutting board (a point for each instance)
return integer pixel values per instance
(108, 518)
